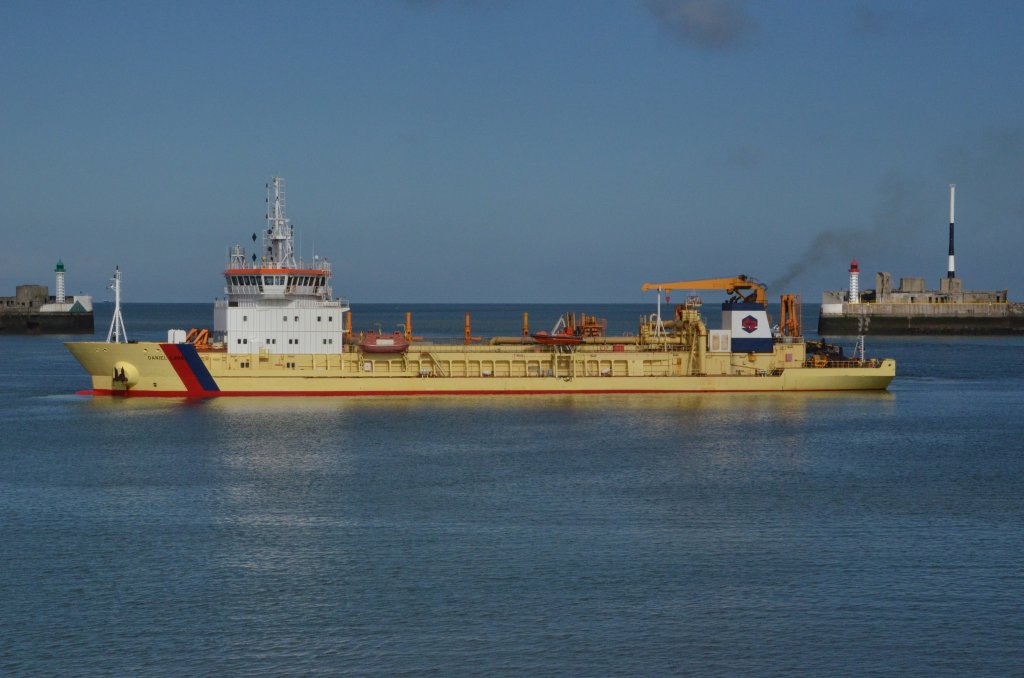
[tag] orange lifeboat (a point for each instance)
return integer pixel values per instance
(564, 333)
(559, 339)
(375, 342)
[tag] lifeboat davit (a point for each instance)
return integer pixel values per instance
(375, 342)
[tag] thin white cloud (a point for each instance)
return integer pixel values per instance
(706, 24)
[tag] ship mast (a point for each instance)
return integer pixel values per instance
(278, 238)
(117, 334)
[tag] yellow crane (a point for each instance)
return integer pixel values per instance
(735, 286)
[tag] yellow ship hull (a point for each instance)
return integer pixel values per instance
(178, 370)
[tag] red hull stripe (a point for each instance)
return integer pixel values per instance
(186, 370)
(135, 393)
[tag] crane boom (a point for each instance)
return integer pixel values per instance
(729, 285)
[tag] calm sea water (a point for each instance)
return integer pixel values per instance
(820, 534)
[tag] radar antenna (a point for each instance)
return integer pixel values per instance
(278, 237)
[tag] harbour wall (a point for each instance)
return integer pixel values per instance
(923, 319)
(17, 321)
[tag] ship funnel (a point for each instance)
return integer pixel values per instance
(951, 269)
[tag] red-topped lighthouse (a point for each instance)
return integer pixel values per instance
(854, 282)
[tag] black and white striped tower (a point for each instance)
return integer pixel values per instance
(951, 271)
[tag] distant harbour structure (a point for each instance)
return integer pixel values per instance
(32, 310)
(854, 282)
(951, 270)
(912, 309)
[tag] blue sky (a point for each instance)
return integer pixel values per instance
(513, 150)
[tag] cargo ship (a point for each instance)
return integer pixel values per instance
(912, 309)
(32, 310)
(279, 330)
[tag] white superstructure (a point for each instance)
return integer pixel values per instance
(274, 303)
